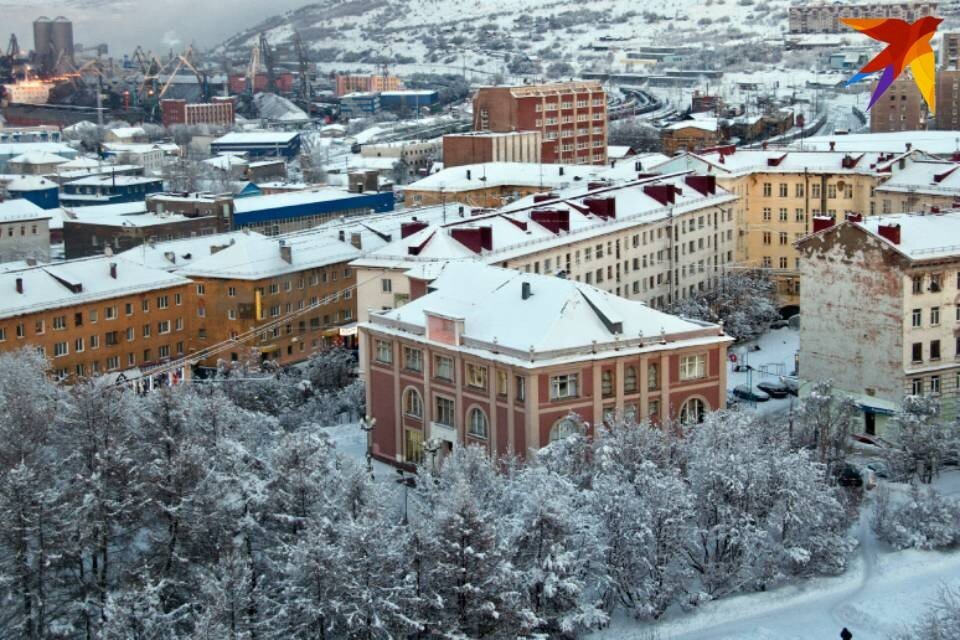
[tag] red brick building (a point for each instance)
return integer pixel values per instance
(220, 111)
(456, 365)
(347, 83)
(571, 116)
(283, 81)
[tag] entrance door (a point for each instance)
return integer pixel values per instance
(870, 423)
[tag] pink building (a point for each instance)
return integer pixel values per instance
(498, 358)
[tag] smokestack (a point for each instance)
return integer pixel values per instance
(833, 145)
(113, 270)
(890, 231)
(468, 174)
(19, 285)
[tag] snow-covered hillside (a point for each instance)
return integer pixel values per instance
(502, 37)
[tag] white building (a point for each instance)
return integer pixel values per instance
(24, 231)
(881, 316)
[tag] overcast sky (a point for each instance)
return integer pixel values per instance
(157, 25)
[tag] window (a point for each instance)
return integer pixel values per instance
(653, 376)
(232, 291)
(201, 289)
(693, 367)
(444, 412)
(163, 302)
(94, 342)
(60, 349)
(606, 383)
(629, 379)
(476, 376)
(916, 351)
(934, 316)
(935, 385)
(563, 386)
(501, 383)
(936, 282)
(110, 313)
(413, 404)
(934, 349)
(384, 351)
(412, 359)
(231, 314)
(692, 411)
(59, 323)
(916, 386)
(562, 429)
(521, 388)
(78, 345)
(478, 423)
(163, 351)
(783, 189)
(767, 189)
(131, 334)
(918, 284)
(917, 317)
(111, 338)
(113, 362)
(443, 367)
(163, 327)
(3, 334)
(386, 285)
(145, 305)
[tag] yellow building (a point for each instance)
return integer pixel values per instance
(782, 190)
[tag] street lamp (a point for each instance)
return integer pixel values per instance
(432, 446)
(367, 424)
(407, 482)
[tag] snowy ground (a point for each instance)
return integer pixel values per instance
(776, 357)
(881, 592)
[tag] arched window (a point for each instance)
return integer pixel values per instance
(478, 423)
(606, 383)
(693, 411)
(413, 403)
(562, 428)
(630, 379)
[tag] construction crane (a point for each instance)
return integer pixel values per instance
(13, 49)
(267, 58)
(252, 70)
(305, 94)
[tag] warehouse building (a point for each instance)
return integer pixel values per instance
(258, 144)
(282, 213)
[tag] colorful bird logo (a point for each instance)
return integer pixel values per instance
(907, 44)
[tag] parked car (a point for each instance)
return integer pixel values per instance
(851, 475)
(879, 468)
(779, 324)
(774, 388)
(744, 392)
(792, 385)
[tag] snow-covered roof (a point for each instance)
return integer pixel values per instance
(782, 160)
(616, 152)
(562, 319)
(704, 124)
(111, 180)
(257, 137)
(501, 174)
(128, 132)
(15, 182)
(177, 255)
(140, 148)
(936, 142)
(83, 162)
(922, 236)
(20, 210)
(73, 282)
(925, 176)
(291, 199)
(18, 148)
(226, 161)
(254, 257)
(514, 230)
(38, 157)
(379, 229)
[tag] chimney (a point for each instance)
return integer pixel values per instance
(909, 146)
(833, 145)
(170, 256)
(561, 170)
(19, 285)
(821, 222)
(602, 207)
(854, 217)
(341, 235)
(355, 240)
(410, 228)
(525, 291)
(32, 262)
(468, 174)
(113, 270)
(890, 231)
(705, 185)
(286, 252)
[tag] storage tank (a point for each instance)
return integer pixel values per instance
(61, 35)
(42, 39)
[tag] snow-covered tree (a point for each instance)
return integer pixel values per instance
(824, 421)
(923, 438)
(745, 300)
(941, 620)
(924, 519)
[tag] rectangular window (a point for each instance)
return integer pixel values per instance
(443, 367)
(521, 387)
(232, 291)
(78, 345)
(916, 318)
(110, 338)
(163, 302)
(935, 385)
(693, 367)
(916, 386)
(934, 349)
(163, 327)
(59, 323)
(934, 316)
(412, 359)
(60, 349)
(918, 284)
(477, 376)
(501, 383)
(445, 412)
(384, 351)
(386, 285)
(916, 352)
(95, 342)
(113, 362)
(201, 289)
(564, 386)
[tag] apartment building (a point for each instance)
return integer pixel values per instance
(24, 231)
(475, 147)
(95, 315)
(454, 367)
(926, 185)
(655, 239)
(285, 297)
(781, 191)
(825, 17)
(900, 108)
(220, 111)
(947, 117)
(949, 51)
(880, 314)
(414, 157)
(571, 117)
(347, 83)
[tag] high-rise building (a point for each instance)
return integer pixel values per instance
(900, 108)
(947, 117)
(219, 111)
(825, 17)
(571, 116)
(950, 51)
